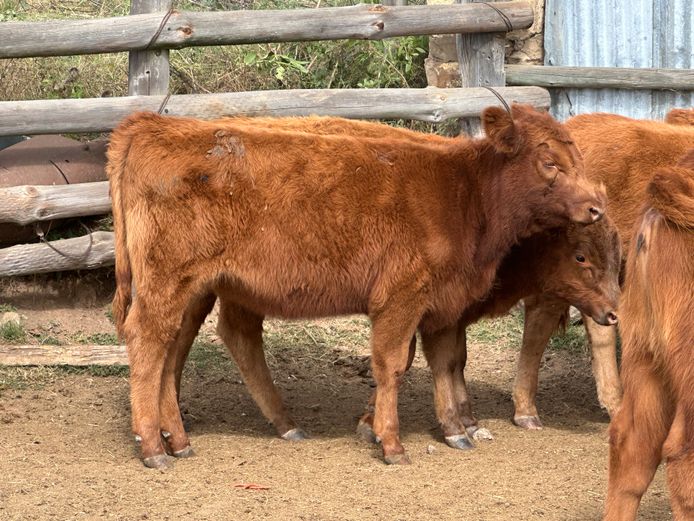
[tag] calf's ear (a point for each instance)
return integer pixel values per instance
(499, 127)
(671, 192)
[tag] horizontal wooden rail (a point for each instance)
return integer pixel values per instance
(600, 77)
(103, 114)
(185, 29)
(28, 204)
(76, 254)
(63, 355)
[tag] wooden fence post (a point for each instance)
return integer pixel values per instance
(481, 62)
(148, 71)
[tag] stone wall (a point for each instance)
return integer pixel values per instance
(523, 46)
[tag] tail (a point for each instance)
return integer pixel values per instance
(671, 192)
(118, 150)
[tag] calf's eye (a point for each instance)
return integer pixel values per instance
(580, 258)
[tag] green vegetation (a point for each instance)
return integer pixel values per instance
(573, 339)
(100, 339)
(208, 356)
(12, 333)
(5, 308)
(37, 377)
(504, 332)
(507, 333)
(396, 62)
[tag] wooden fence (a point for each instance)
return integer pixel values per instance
(600, 77)
(147, 35)
(154, 27)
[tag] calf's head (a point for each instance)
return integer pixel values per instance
(543, 168)
(584, 265)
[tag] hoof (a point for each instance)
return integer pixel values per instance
(187, 452)
(479, 433)
(532, 423)
(397, 459)
(295, 434)
(160, 462)
(366, 433)
(459, 441)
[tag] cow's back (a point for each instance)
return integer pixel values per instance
(288, 213)
(623, 153)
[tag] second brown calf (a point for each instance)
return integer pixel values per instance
(656, 419)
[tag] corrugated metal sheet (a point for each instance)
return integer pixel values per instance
(619, 33)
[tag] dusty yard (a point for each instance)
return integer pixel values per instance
(66, 451)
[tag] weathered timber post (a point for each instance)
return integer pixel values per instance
(481, 63)
(148, 71)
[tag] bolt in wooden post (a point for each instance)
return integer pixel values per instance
(148, 71)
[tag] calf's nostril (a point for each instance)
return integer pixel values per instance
(612, 318)
(595, 213)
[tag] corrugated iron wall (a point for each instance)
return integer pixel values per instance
(619, 33)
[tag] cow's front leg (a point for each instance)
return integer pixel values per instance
(603, 346)
(542, 317)
(391, 333)
(366, 422)
(440, 351)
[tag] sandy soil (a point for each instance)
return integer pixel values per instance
(67, 452)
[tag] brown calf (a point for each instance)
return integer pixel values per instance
(656, 419)
(298, 225)
(576, 265)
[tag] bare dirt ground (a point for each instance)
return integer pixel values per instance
(66, 451)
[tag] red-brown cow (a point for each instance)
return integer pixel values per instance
(656, 419)
(295, 225)
(577, 265)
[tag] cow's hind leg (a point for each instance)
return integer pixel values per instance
(542, 316)
(171, 421)
(461, 392)
(151, 332)
(679, 455)
(637, 433)
(242, 332)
